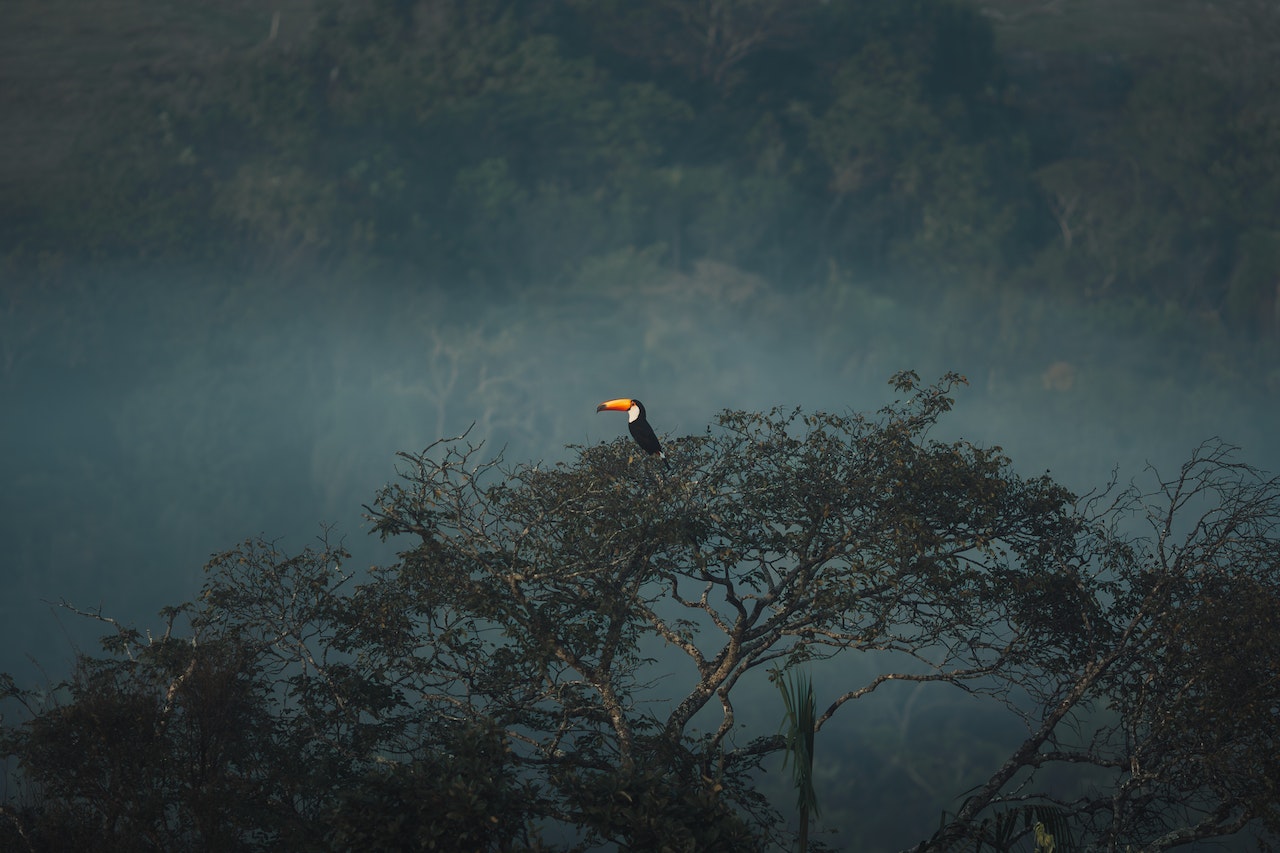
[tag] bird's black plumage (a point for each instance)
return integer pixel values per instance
(644, 434)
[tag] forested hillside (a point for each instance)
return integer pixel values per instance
(1117, 155)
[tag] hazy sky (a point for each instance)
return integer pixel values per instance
(155, 422)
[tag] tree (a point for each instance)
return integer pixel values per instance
(160, 746)
(766, 548)
(509, 683)
(922, 166)
(706, 40)
(1172, 694)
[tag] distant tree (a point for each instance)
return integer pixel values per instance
(499, 686)
(923, 168)
(705, 40)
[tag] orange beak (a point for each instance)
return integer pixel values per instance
(614, 406)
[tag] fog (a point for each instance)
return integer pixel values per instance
(148, 424)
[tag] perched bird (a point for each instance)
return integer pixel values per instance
(637, 424)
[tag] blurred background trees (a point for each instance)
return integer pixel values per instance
(505, 143)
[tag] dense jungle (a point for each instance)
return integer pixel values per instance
(251, 252)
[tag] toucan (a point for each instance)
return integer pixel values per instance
(640, 429)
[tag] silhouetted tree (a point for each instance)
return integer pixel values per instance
(508, 682)
(1170, 693)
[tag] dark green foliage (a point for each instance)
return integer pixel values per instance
(158, 751)
(670, 808)
(1039, 828)
(503, 143)
(801, 717)
(465, 799)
